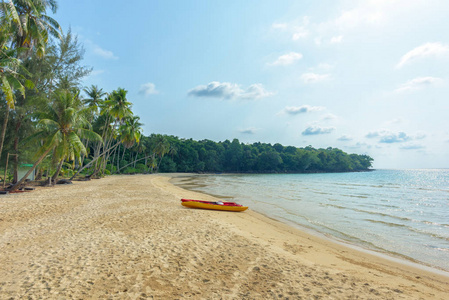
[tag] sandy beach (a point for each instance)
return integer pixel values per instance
(128, 237)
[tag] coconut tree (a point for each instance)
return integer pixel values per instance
(61, 126)
(94, 102)
(10, 78)
(128, 135)
(35, 26)
(119, 106)
(95, 98)
(130, 132)
(28, 31)
(9, 82)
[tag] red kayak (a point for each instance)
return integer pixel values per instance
(218, 205)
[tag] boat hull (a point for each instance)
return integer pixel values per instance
(226, 206)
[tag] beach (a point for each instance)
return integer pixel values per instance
(128, 237)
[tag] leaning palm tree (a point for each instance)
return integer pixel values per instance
(62, 125)
(118, 108)
(130, 132)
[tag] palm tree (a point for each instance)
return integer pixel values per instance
(160, 146)
(9, 66)
(93, 102)
(130, 131)
(8, 84)
(117, 107)
(35, 26)
(95, 99)
(61, 126)
(120, 107)
(27, 28)
(128, 134)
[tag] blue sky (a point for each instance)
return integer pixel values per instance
(368, 77)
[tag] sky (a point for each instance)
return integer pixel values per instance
(367, 77)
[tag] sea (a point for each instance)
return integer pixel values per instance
(398, 213)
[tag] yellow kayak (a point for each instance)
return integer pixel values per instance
(226, 206)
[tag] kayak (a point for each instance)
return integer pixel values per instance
(218, 205)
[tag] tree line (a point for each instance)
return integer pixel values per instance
(186, 155)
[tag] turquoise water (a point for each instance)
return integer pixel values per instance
(401, 212)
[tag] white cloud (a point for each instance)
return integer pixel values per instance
(294, 110)
(364, 14)
(329, 117)
(314, 77)
(250, 130)
(148, 89)
(345, 138)
(418, 83)
(255, 91)
(388, 137)
(281, 26)
(299, 33)
(98, 51)
(226, 90)
(420, 135)
(412, 147)
(395, 138)
(325, 66)
(395, 121)
(429, 49)
(287, 59)
(336, 39)
(106, 54)
(297, 30)
(315, 130)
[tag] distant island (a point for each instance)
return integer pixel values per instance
(172, 154)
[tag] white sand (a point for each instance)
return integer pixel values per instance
(128, 237)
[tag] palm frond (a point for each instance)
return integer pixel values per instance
(88, 134)
(7, 90)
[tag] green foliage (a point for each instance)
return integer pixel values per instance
(211, 157)
(130, 170)
(141, 168)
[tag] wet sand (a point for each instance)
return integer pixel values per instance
(128, 237)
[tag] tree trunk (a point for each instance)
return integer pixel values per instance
(132, 163)
(38, 174)
(92, 161)
(19, 183)
(58, 169)
(5, 123)
(16, 151)
(118, 158)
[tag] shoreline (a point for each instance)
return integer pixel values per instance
(389, 256)
(393, 256)
(129, 237)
